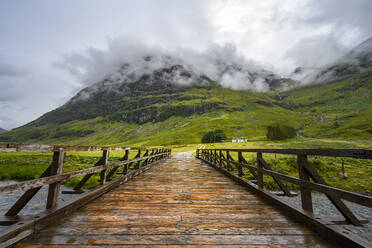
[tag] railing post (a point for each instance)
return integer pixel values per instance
(155, 153)
(215, 157)
(260, 182)
(337, 202)
(105, 157)
(27, 196)
(220, 158)
(306, 200)
(56, 169)
(197, 153)
(240, 169)
(228, 160)
(137, 166)
(126, 157)
(145, 155)
(152, 153)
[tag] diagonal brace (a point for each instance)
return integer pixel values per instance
(344, 210)
(280, 184)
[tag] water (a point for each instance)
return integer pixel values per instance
(36, 204)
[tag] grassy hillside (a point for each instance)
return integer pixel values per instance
(341, 110)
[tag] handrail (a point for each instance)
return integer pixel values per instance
(30, 184)
(12, 147)
(53, 175)
(225, 161)
(351, 153)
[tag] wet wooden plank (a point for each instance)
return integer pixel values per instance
(178, 204)
(179, 239)
(176, 246)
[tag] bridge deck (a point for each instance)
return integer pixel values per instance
(182, 201)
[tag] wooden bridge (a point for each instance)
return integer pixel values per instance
(180, 201)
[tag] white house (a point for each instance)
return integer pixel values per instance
(239, 139)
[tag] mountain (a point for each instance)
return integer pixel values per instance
(163, 100)
(2, 130)
(359, 59)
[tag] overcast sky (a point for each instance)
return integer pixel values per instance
(37, 36)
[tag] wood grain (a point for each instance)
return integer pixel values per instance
(180, 203)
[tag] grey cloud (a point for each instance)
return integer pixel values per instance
(316, 50)
(8, 70)
(341, 26)
(285, 33)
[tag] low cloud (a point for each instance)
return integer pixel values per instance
(126, 59)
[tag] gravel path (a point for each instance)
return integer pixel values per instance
(323, 207)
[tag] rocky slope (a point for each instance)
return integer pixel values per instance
(357, 60)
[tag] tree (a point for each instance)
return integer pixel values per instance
(280, 132)
(214, 136)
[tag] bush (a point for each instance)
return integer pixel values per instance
(214, 136)
(280, 132)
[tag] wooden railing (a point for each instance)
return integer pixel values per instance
(53, 175)
(223, 159)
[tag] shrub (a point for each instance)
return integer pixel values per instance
(214, 136)
(280, 132)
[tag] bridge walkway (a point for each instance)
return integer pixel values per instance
(180, 202)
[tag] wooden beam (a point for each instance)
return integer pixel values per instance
(86, 177)
(15, 233)
(228, 159)
(277, 180)
(306, 200)
(344, 210)
(30, 184)
(113, 170)
(105, 157)
(351, 153)
(239, 166)
(145, 155)
(260, 181)
(331, 232)
(242, 160)
(343, 194)
(27, 196)
(137, 166)
(56, 169)
(10, 147)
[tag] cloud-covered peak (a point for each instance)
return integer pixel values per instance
(125, 61)
(358, 59)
